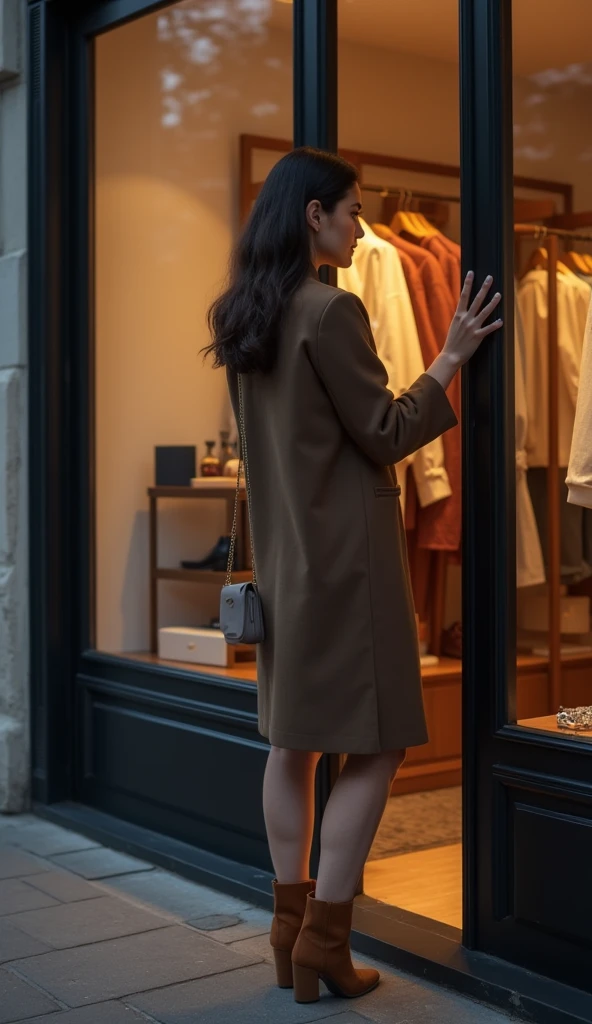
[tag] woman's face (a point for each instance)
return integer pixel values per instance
(334, 236)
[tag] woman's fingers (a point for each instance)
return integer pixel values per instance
(484, 331)
(466, 292)
(480, 296)
(488, 309)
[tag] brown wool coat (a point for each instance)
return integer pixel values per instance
(339, 668)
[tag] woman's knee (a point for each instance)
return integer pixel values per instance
(387, 762)
(390, 761)
(303, 759)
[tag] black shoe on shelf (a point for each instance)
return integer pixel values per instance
(216, 561)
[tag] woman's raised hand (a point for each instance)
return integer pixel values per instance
(466, 330)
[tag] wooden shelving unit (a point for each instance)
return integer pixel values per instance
(157, 573)
(439, 762)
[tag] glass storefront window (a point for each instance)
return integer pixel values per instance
(399, 123)
(176, 93)
(553, 270)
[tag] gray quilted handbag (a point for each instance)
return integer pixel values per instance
(241, 611)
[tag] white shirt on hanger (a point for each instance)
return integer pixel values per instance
(530, 566)
(377, 278)
(579, 472)
(573, 300)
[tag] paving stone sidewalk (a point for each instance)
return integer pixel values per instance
(91, 936)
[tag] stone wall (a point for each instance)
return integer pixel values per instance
(14, 660)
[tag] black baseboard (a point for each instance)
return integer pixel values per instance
(411, 943)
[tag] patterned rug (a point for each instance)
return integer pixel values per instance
(418, 821)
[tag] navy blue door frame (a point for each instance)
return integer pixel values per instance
(527, 796)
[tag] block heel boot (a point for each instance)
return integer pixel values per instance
(322, 953)
(289, 905)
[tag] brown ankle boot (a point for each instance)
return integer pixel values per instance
(322, 951)
(289, 904)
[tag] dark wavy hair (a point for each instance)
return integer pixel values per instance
(272, 258)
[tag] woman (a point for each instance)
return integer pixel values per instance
(339, 670)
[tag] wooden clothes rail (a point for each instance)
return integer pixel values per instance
(551, 238)
(408, 192)
(542, 232)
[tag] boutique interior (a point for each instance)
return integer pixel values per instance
(193, 107)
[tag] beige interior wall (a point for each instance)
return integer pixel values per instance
(404, 105)
(168, 121)
(398, 103)
(553, 129)
(168, 117)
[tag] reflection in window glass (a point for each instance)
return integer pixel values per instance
(175, 92)
(552, 142)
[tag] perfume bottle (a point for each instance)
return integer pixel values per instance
(225, 448)
(231, 467)
(210, 464)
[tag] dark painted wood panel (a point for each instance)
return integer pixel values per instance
(192, 769)
(541, 852)
(552, 893)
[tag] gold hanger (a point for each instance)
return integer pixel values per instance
(539, 257)
(384, 232)
(416, 218)
(575, 262)
(403, 220)
(410, 221)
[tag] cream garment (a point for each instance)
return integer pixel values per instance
(530, 566)
(579, 472)
(376, 277)
(573, 301)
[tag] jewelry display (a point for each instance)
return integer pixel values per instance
(575, 719)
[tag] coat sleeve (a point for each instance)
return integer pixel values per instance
(387, 429)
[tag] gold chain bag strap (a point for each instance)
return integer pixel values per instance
(241, 612)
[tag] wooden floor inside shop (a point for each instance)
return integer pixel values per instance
(426, 882)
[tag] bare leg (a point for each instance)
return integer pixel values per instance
(288, 808)
(350, 822)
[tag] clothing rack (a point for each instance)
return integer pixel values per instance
(408, 193)
(551, 238)
(542, 233)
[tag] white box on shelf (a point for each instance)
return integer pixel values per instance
(201, 646)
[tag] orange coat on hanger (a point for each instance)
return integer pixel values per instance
(449, 260)
(438, 527)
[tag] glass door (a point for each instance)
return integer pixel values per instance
(399, 123)
(527, 796)
(553, 246)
